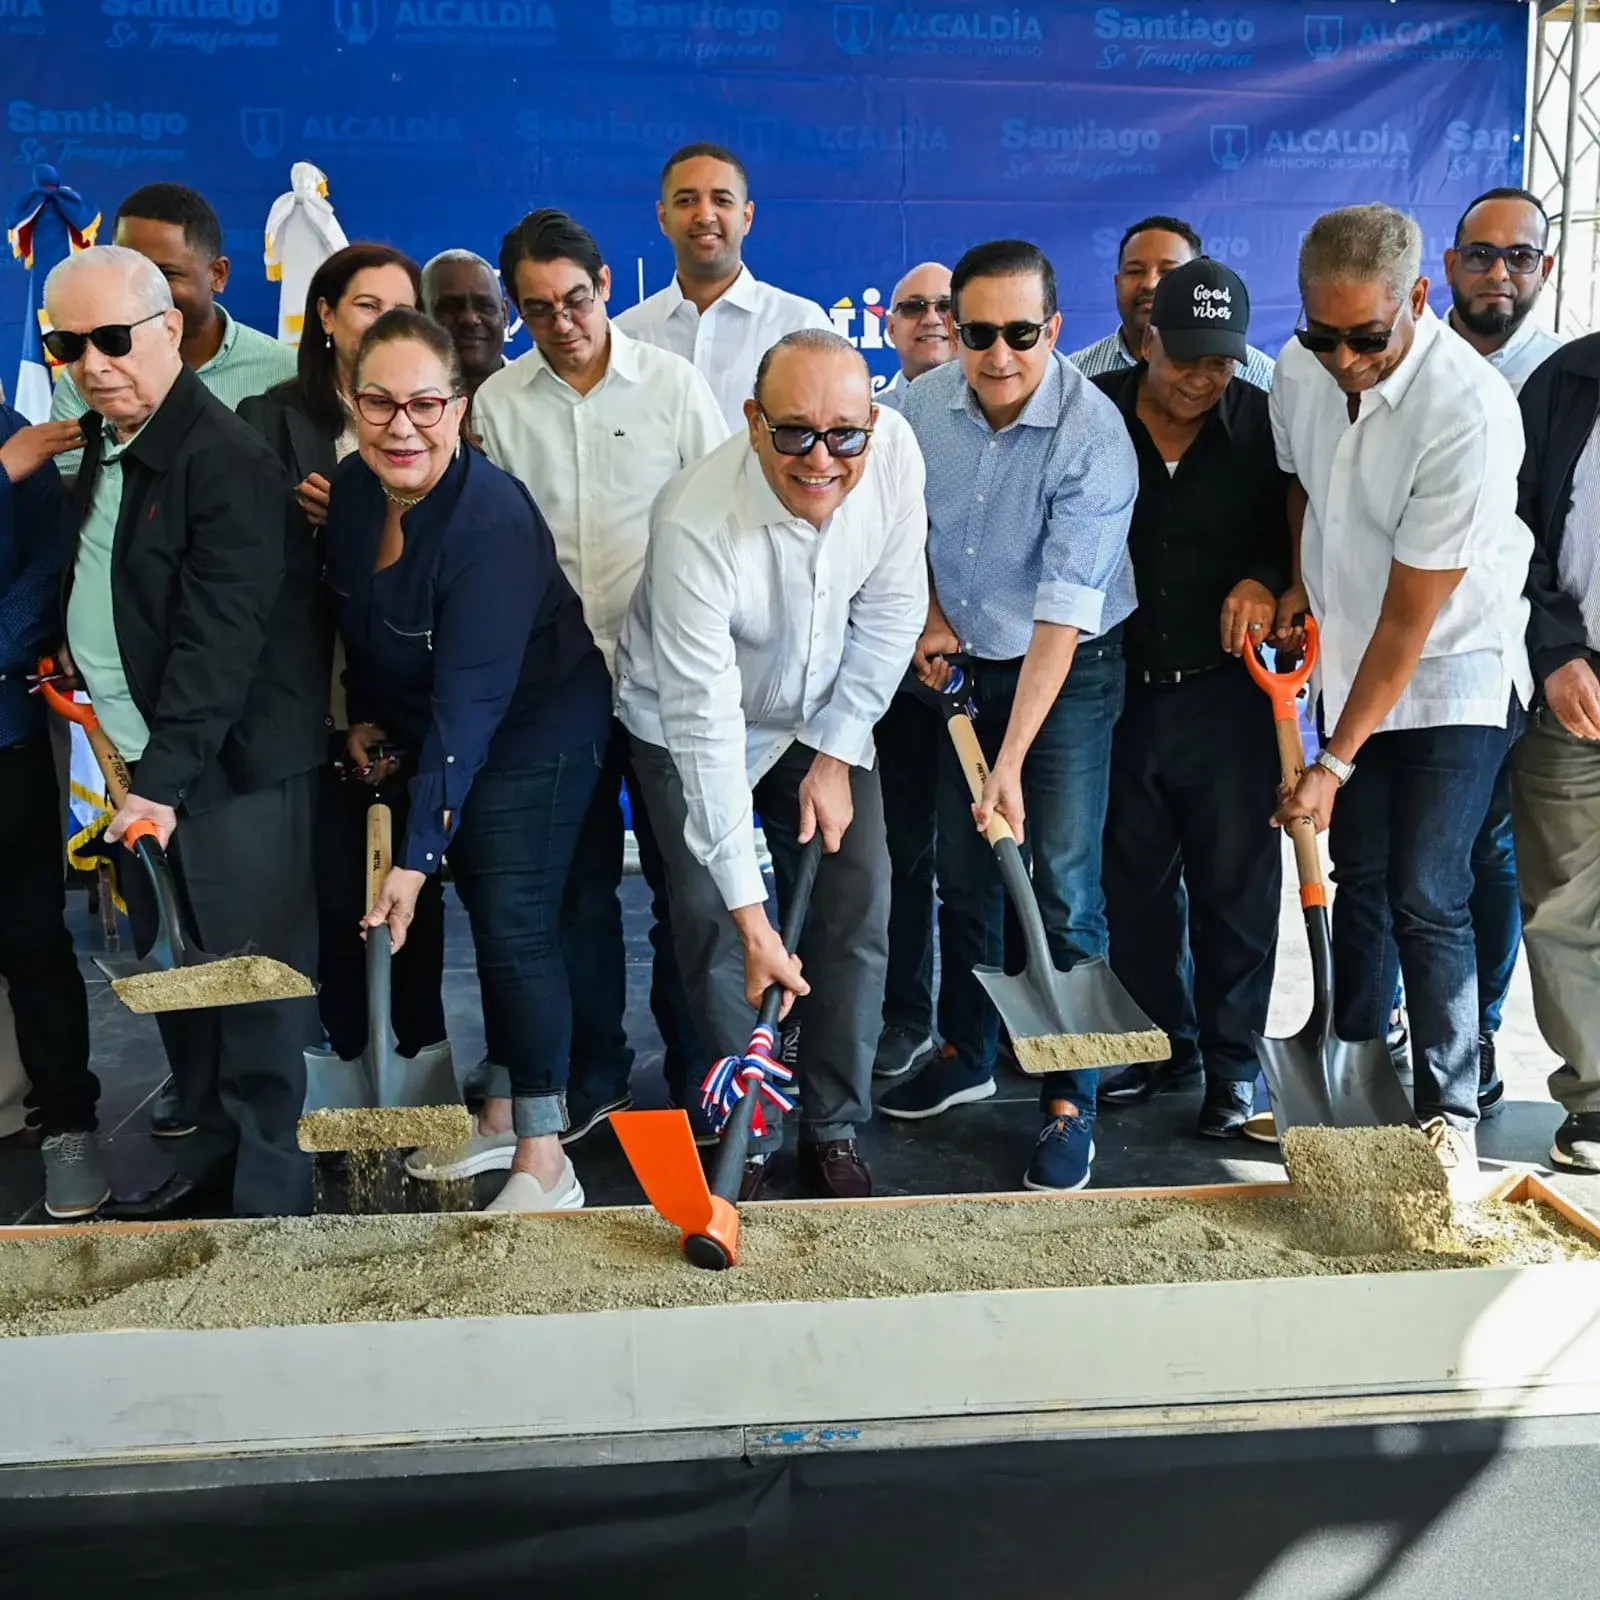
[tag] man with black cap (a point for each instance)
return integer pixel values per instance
(1192, 872)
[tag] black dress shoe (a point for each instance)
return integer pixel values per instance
(1144, 1080)
(167, 1120)
(1226, 1109)
(180, 1198)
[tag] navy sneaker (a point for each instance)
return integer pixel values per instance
(946, 1081)
(1491, 1087)
(586, 1111)
(1063, 1155)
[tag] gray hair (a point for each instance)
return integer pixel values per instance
(1361, 243)
(142, 276)
(809, 339)
(448, 258)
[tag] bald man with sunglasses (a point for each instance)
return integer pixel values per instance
(1031, 486)
(784, 587)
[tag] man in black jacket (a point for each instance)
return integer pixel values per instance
(1556, 793)
(1193, 875)
(190, 616)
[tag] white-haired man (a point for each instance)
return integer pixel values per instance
(1405, 444)
(462, 293)
(190, 616)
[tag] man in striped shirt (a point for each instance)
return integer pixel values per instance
(1152, 247)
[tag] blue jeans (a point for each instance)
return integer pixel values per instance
(1065, 780)
(1401, 841)
(1496, 911)
(510, 855)
(592, 944)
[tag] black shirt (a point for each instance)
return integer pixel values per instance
(471, 649)
(1223, 517)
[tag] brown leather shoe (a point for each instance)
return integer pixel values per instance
(832, 1169)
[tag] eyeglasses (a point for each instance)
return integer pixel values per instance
(576, 306)
(788, 439)
(113, 339)
(916, 306)
(1357, 342)
(1521, 260)
(422, 410)
(1018, 335)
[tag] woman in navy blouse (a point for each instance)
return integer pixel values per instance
(467, 645)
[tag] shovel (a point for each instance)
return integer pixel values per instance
(660, 1146)
(380, 1076)
(1316, 1079)
(1058, 1021)
(179, 975)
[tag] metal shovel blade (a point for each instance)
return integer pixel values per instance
(1071, 1021)
(1321, 1081)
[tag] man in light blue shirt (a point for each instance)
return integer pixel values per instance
(1031, 486)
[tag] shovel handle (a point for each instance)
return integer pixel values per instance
(1302, 831)
(970, 753)
(380, 849)
(119, 781)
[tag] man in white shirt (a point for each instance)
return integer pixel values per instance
(1406, 448)
(1496, 269)
(594, 423)
(1151, 248)
(918, 328)
(785, 585)
(715, 312)
(920, 331)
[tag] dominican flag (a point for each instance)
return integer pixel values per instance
(46, 225)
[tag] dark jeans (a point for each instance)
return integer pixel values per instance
(591, 942)
(510, 856)
(416, 1006)
(1064, 782)
(1401, 841)
(244, 872)
(844, 946)
(1193, 874)
(1496, 910)
(909, 739)
(48, 1003)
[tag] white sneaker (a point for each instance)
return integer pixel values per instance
(483, 1152)
(523, 1192)
(1458, 1155)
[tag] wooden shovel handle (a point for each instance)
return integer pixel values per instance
(1302, 831)
(970, 754)
(380, 849)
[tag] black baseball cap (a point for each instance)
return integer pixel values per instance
(1201, 309)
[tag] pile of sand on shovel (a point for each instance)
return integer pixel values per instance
(1369, 1189)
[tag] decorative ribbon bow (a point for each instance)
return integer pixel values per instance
(759, 1070)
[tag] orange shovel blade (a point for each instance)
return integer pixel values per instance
(661, 1150)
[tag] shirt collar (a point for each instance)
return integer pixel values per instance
(744, 292)
(623, 361)
(230, 335)
(755, 503)
(1395, 387)
(1043, 409)
(1519, 341)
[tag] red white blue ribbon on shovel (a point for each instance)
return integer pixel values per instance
(757, 1071)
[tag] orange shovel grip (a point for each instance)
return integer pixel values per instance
(1283, 687)
(63, 704)
(140, 828)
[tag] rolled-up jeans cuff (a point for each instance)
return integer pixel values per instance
(496, 1081)
(533, 1116)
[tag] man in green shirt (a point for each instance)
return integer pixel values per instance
(175, 227)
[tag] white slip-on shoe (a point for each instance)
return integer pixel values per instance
(524, 1193)
(483, 1152)
(1457, 1151)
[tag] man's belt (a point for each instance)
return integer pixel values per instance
(1170, 675)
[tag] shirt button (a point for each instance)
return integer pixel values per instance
(430, 855)
(980, 499)
(963, 602)
(972, 550)
(450, 759)
(994, 444)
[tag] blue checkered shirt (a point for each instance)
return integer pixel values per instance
(1028, 524)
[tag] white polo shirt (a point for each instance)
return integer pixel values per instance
(1426, 475)
(727, 342)
(752, 629)
(593, 462)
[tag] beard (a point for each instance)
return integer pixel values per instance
(1489, 324)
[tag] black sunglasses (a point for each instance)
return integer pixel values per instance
(1520, 259)
(916, 306)
(1018, 335)
(114, 339)
(1357, 342)
(788, 439)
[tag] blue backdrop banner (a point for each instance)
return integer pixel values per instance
(876, 134)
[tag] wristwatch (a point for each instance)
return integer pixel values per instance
(1329, 762)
